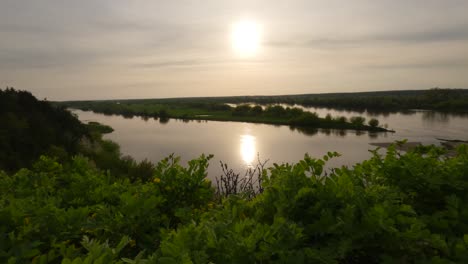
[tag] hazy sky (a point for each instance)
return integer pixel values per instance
(97, 49)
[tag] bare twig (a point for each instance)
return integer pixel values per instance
(249, 186)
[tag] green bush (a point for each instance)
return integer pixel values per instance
(56, 205)
(305, 119)
(392, 208)
(374, 122)
(242, 110)
(358, 120)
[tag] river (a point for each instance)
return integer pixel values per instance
(240, 144)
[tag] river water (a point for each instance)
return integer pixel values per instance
(240, 144)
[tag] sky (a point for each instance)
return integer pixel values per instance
(111, 49)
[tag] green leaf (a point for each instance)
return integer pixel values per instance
(167, 260)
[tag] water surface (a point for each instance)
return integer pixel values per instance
(238, 144)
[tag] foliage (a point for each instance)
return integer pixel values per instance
(396, 208)
(45, 212)
(392, 209)
(99, 128)
(29, 128)
(373, 122)
(357, 120)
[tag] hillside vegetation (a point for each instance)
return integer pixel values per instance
(29, 127)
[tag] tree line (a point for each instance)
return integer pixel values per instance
(438, 99)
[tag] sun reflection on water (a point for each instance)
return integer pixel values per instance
(248, 149)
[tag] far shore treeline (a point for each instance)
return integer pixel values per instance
(69, 196)
(439, 99)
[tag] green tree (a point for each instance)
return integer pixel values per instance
(358, 120)
(257, 110)
(374, 122)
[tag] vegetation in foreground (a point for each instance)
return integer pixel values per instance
(397, 208)
(192, 110)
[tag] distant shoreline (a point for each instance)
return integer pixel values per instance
(436, 99)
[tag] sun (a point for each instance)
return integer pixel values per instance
(245, 37)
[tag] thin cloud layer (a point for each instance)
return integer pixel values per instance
(66, 50)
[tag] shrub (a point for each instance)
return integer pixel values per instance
(357, 120)
(374, 122)
(342, 119)
(257, 110)
(305, 119)
(394, 209)
(241, 110)
(45, 212)
(275, 111)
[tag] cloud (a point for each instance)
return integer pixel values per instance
(50, 45)
(172, 63)
(429, 35)
(195, 62)
(34, 59)
(454, 33)
(455, 63)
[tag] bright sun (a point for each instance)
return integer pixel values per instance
(246, 37)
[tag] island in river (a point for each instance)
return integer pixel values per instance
(186, 109)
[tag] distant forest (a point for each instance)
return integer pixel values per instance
(450, 100)
(439, 99)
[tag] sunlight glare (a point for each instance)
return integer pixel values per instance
(245, 37)
(248, 149)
